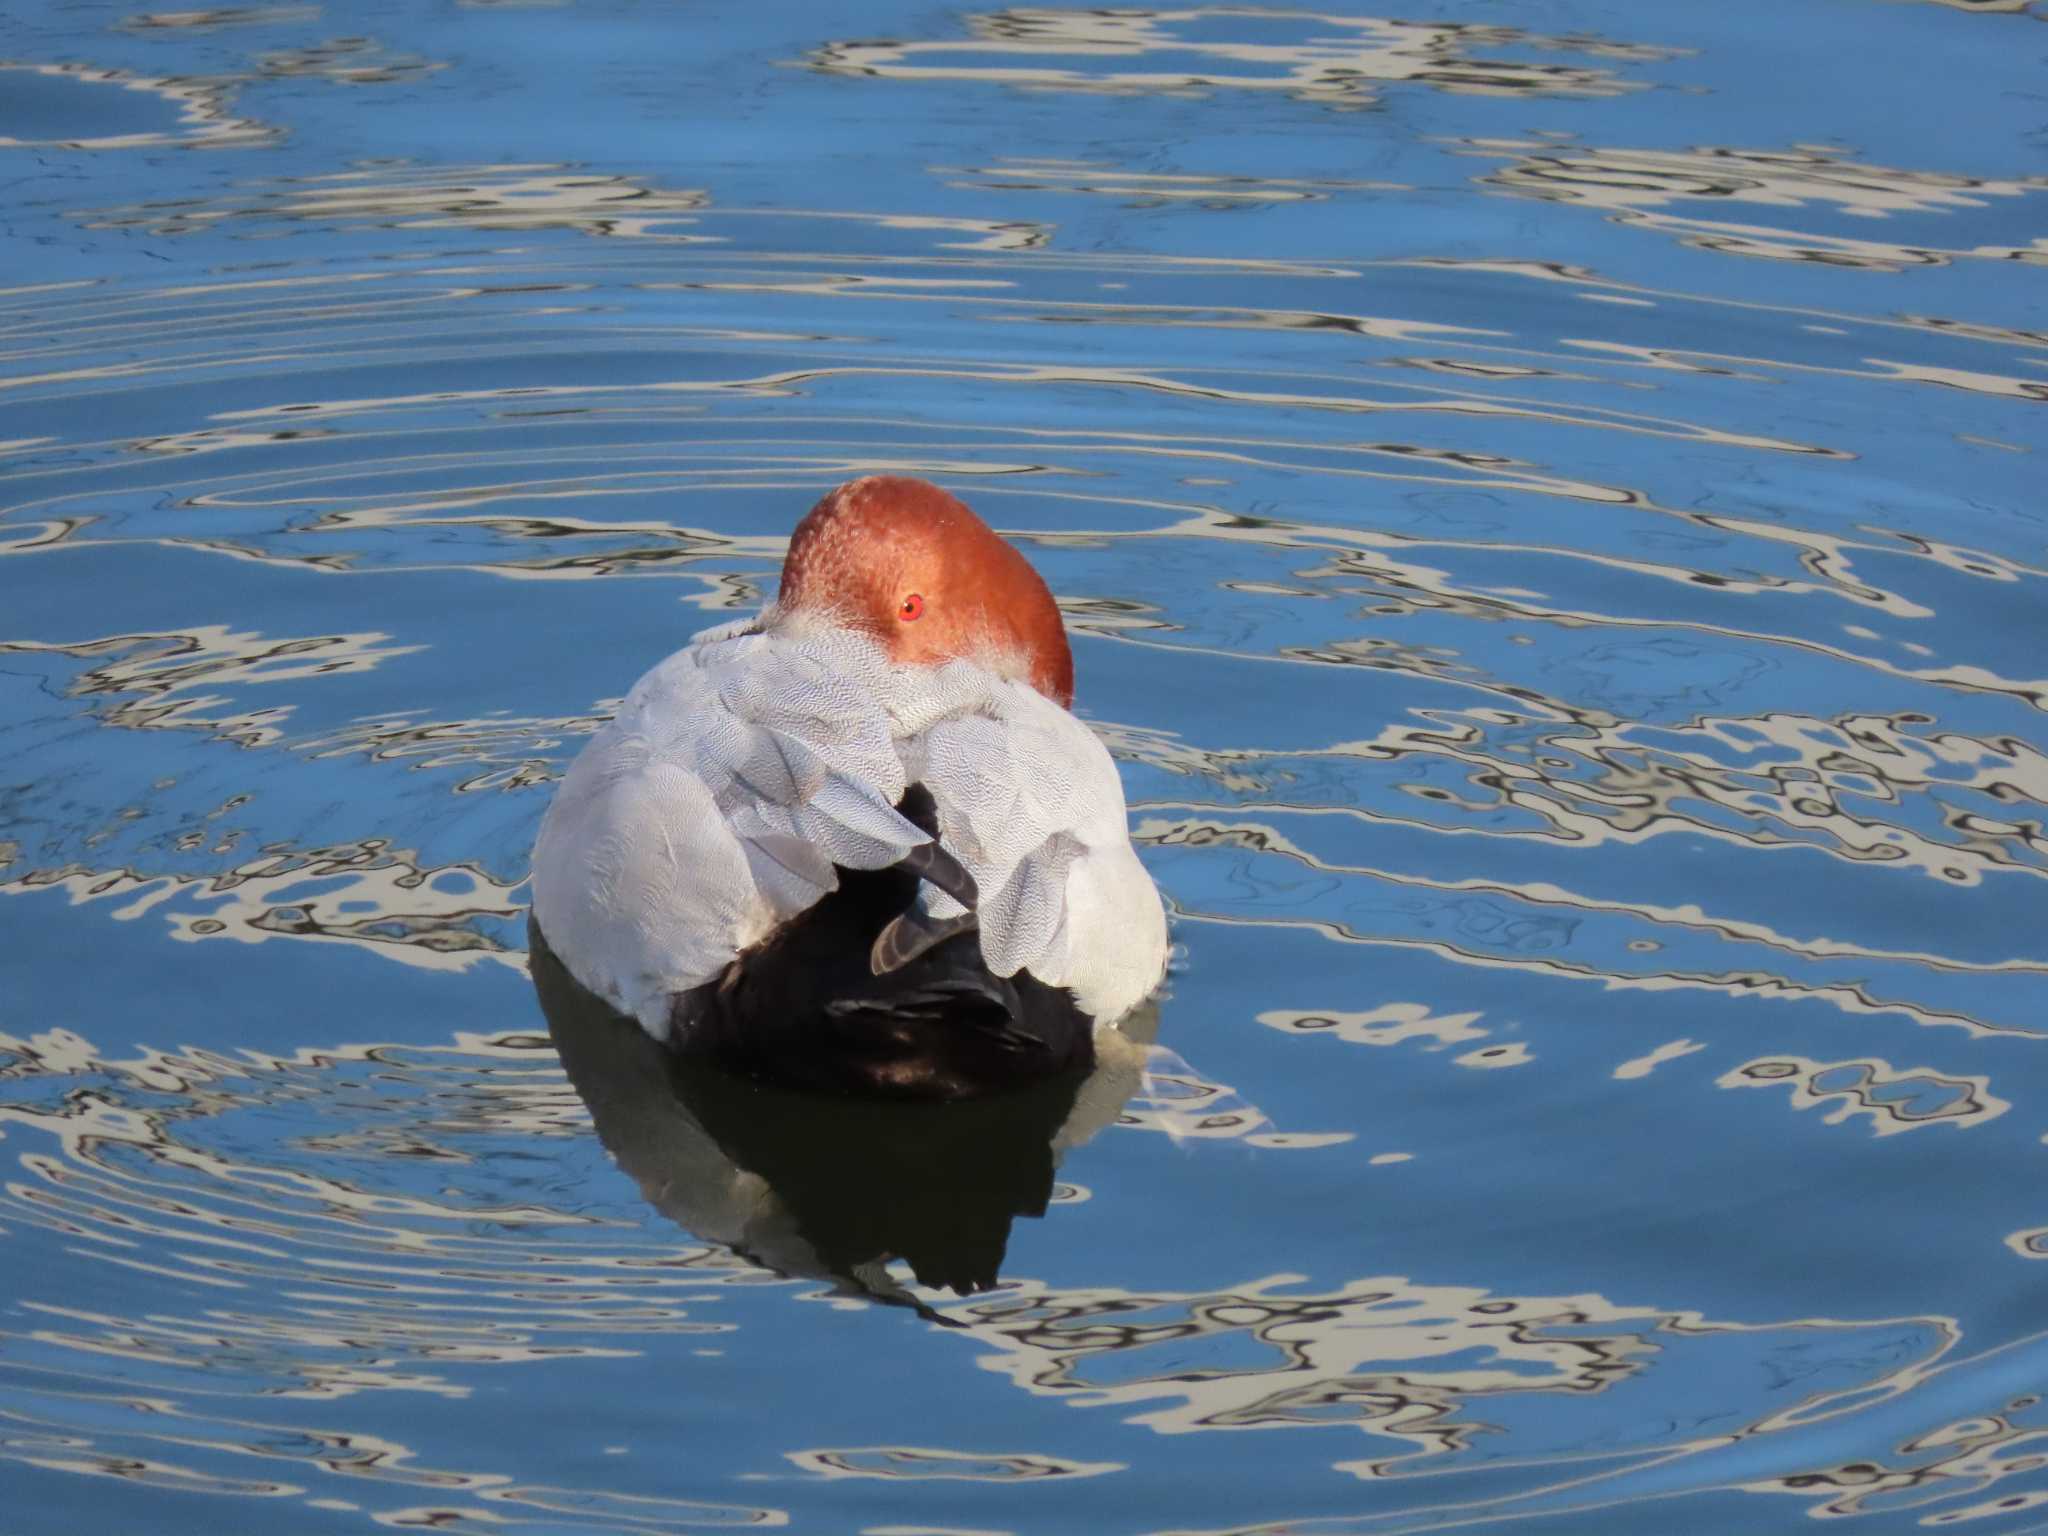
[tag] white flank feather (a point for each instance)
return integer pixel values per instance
(740, 770)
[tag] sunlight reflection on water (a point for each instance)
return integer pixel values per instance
(1548, 513)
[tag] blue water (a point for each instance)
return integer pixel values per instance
(1549, 501)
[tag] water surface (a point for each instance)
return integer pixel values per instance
(1548, 503)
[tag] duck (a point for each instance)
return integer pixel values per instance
(859, 839)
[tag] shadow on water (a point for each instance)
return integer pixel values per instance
(812, 1184)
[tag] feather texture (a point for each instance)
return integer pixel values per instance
(741, 770)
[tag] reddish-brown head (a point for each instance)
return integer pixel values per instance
(903, 561)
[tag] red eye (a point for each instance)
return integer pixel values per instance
(913, 608)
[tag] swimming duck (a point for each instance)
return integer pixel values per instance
(861, 826)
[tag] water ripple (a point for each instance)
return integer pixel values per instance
(1636, 185)
(1528, 637)
(193, 114)
(1331, 60)
(1894, 1098)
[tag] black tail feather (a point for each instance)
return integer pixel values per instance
(866, 993)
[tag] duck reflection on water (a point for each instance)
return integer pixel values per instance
(865, 811)
(832, 1186)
